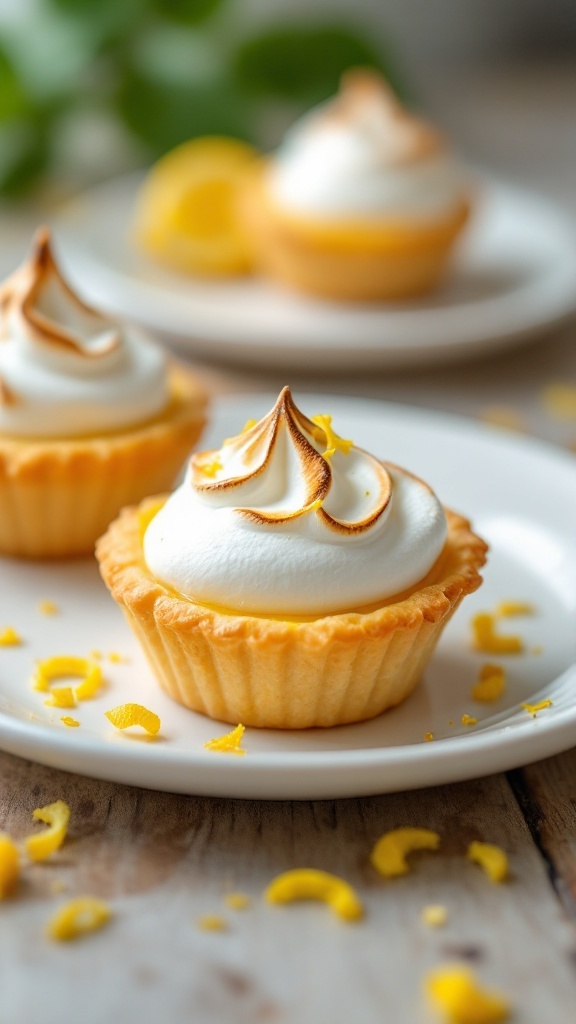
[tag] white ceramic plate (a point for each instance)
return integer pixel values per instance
(514, 276)
(522, 497)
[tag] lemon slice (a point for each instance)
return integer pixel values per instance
(186, 214)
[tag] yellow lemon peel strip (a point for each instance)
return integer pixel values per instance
(509, 609)
(237, 900)
(212, 923)
(468, 720)
(490, 685)
(48, 608)
(434, 916)
(61, 697)
(334, 443)
(211, 468)
(62, 665)
(533, 709)
(487, 640)
(310, 884)
(77, 918)
(491, 858)
(72, 722)
(560, 401)
(455, 991)
(43, 844)
(126, 715)
(9, 866)
(389, 854)
(229, 743)
(10, 638)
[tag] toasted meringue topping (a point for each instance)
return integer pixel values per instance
(290, 518)
(363, 153)
(66, 369)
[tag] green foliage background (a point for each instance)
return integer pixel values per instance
(166, 70)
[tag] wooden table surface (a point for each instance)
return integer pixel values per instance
(162, 861)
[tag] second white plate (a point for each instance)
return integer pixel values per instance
(513, 277)
(521, 496)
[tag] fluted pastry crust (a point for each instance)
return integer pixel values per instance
(57, 496)
(287, 673)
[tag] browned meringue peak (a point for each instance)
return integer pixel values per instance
(258, 445)
(7, 396)
(365, 99)
(37, 294)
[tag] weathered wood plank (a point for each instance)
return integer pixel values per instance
(163, 860)
(546, 793)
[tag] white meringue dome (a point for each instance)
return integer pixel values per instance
(66, 370)
(287, 518)
(363, 154)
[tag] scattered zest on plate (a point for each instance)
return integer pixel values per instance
(456, 992)
(491, 858)
(43, 844)
(48, 608)
(77, 918)
(71, 722)
(489, 641)
(310, 884)
(389, 854)
(212, 923)
(237, 900)
(533, 709)
(126, 715)
(468, 720)
(63, 665)
(491, 683)
(9, 637)
(229, 743)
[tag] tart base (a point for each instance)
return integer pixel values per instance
(363, 260)
(286, 674)
(58, 496)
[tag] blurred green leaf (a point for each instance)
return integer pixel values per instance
(188, 11)
(12, 97)
(163, 114)
(302, 63)
(24, 156)
(104, 22)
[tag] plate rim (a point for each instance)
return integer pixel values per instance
(528, 319)
(206, 774)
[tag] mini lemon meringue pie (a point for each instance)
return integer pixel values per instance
(362, 201)
(91, 416)
(293, 579)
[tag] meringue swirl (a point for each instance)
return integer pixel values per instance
(361, 154)
(288, 518)
(65, 369)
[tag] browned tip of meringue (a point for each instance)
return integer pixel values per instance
(363, 91)
(7, 396)
(257, 445)
(23, 293)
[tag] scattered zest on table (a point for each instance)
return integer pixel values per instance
(533, 709)
(9, 866)
(212, 923)
(9, 637)
(434, 916)
(491, 683)
(237, 900)
(43, 844)
(559, 401)
(77, 918)
(390, 852)
(310, 884)
(491, 858)
(428, 737)
(229, 743)
(126, 715)
(456, 992)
